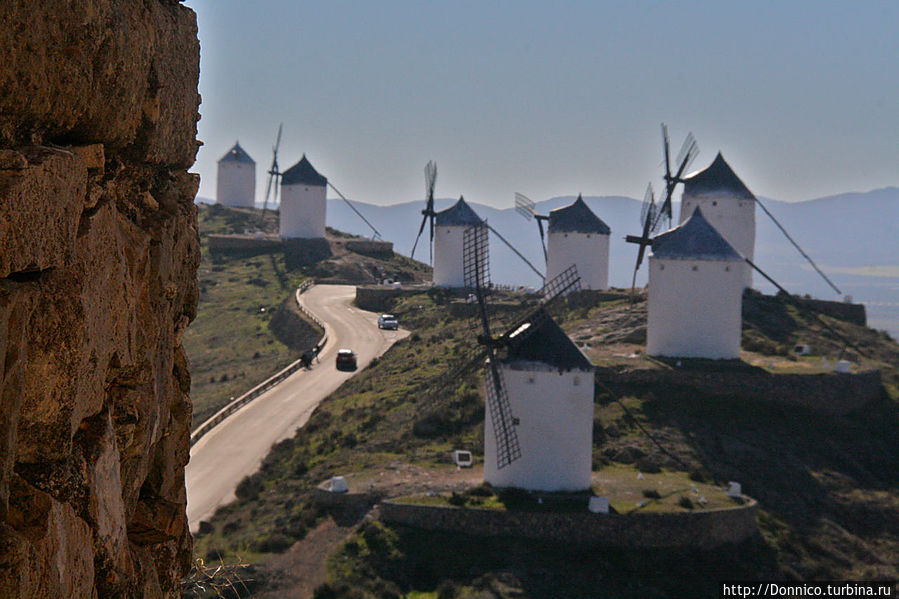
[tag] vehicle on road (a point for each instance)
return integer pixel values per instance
(388, 321)
(346, 359)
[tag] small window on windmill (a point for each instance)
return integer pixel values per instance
(588, 236)
(530, 380)
(715, 203)
(727, 269)
(695, 267)
(577, 381)
(661, 267)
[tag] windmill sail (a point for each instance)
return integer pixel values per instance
(476, 272)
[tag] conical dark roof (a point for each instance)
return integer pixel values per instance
(549, 344)
(717, 177)
(459, 214)
(303, 173)
(576, 218)
(237, 154)
(695, 238)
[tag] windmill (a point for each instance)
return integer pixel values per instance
(273, 185)
(525, 207)
(477, 277)
(651, 214)
(428, 212)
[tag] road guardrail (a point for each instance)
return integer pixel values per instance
(268, 383)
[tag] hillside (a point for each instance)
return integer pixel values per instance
(247, 326)
(826, 483)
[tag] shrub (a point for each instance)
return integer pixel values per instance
(457, 499)
(249, 488)
(651, 494)
(685, 502)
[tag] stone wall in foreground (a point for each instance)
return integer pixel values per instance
(98, 255)
(706, 529)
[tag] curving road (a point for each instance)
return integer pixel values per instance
(236, 447)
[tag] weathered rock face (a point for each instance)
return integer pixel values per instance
(98, 255)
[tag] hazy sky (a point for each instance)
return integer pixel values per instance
(552, 98)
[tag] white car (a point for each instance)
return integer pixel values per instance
(388, 321)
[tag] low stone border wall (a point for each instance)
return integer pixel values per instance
(699, 529)
(243, 245)
(380, 299)
(376, 249)
(854, 313)
(265, 385)
(345, 500)
(831, 393)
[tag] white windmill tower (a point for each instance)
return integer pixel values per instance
(577, 236)
(539, 434)
(303, 202)
(235, 183)
(695, 293)
(449, 228)
(727, 204)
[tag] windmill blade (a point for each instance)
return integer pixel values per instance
(647, 209)
(428, 212)
(508, 449)
(566, 281)
(666, 149)
(424, 221)
(687, 153)
(524, 206)
(278, 139)
(274, 176)
(476, 275)
(430, 180)
(475, 256)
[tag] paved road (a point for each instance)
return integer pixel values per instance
(236, 447)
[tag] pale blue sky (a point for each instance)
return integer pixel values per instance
(552, 98)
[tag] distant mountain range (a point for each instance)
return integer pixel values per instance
(845, 234)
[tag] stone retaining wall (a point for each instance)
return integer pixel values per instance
(699, 529)
(854, 313)
(243, 245)
(376, 249)
(831, 393)
(381, 299)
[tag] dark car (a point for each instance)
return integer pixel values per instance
(346, 359)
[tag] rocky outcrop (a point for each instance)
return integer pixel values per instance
(98, 255)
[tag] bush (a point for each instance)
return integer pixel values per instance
(273, 543)
(457, 499)
(651, 494)
(685, 502)
(249, 488)
(698, 477)
(482, 490)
